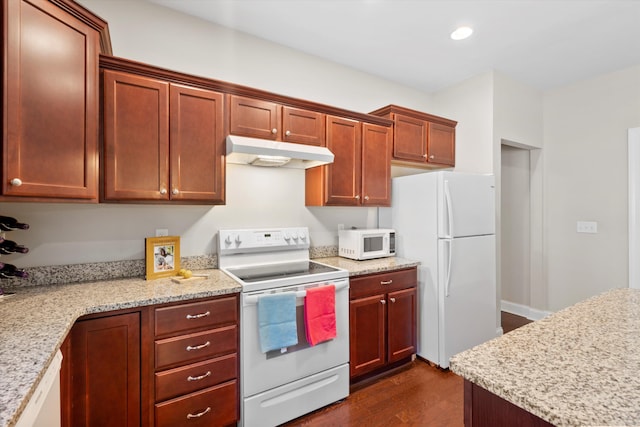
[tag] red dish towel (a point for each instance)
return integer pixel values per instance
(320, 314)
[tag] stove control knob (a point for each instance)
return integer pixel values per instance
(286, 237)
(228, 240)
(295, 237)
(303, 236)
(238, 240)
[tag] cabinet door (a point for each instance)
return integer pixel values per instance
(442, 144)
(50, 138)
(253, 117)
(367, 334)
(410, 138)
(105, 369)
(376, 165)
(303, 126)
(136, 137)
(343, 176)
(196, 144)
(401, 326)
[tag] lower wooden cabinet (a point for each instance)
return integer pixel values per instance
(382, 317)
(196, 363)
(164, 365)
(101, 372)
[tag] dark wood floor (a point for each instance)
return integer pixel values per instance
(416, 395)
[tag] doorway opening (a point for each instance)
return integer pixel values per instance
(522, 288)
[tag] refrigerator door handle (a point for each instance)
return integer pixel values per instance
(449, 261)
(447, 199)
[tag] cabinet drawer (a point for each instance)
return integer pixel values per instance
(187, 379)
(215, 406)
(205, 314)
(199, 346)
(382, 283)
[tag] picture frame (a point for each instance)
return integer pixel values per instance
(162, 257)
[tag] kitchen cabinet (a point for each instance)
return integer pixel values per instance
(361, 172)
(196, 363)
(420, 139)
(382, 319)
(163, 141)
(269, 120)
(154, 366)
(50, 113)
(101, 372)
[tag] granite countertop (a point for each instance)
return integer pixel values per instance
(579, 366)
(35, 320)
(358, 268)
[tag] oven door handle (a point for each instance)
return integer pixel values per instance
(253, 299)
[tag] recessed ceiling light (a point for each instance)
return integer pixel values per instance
(461, 33)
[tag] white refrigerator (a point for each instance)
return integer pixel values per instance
(446, 220)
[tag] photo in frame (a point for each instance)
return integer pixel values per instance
(162, 256)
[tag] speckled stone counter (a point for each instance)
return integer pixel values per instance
(579, 366)
(35, 321)
(357, 268)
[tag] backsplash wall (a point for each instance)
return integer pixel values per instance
(62, 234)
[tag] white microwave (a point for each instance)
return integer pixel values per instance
(363, 244)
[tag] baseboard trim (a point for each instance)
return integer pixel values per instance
(523, 310)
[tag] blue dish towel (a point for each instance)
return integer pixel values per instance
(277, 321)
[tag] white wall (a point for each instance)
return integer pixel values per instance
(585, 163)
(515, 207)
(471, 104)
(77, 233)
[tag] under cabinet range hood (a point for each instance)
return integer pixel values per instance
(263, 152)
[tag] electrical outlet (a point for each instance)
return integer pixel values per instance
(161, 232)
(587, 227)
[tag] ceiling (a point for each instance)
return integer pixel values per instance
(542, 43)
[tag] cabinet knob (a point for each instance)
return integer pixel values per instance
(163, 191)
(392, 299)
(274, 131)
(357, 197)
(175, 192)
(425, 156)
(366, 197)
(16, 182)
(288, 133)
(432, 157)
(383, 302)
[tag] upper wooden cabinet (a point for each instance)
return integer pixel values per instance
(361, 172)
(269, 120)
(162, 141)
(420, 138)
(50, 99)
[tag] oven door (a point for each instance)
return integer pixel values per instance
(264, 371)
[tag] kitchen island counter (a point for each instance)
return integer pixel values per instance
(578, 366)
(358, 268)
(35, 321)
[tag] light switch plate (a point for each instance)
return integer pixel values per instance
(587, 227)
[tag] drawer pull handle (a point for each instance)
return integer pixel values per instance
(198, 347)
(198, 316)
(198, 378)
(386, 282)
(199, 414)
